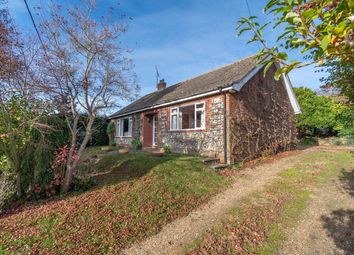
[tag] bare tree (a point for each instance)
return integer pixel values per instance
(86, 68)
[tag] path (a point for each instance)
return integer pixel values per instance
(175, 235)
(327, 224)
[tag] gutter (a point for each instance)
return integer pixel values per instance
(225, 127)
(233, 87)
(213, 92)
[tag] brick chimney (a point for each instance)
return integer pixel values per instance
(161, 85)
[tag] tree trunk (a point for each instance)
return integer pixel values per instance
(67, 179)
(71, 165)
(65, 185)
(18, 184)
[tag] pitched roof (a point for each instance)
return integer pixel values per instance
(213, 80)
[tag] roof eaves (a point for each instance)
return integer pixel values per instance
(211, 92)
(238, 85)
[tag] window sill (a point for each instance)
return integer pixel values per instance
(188, 130)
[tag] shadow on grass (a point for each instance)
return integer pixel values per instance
(340, 223)
(122, 168)
(339, 226)
(111, 169)
(347, 180)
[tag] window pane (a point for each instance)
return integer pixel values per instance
(200, 119)
(117, 127)
(186, 118)
(125, 127)
(120, 127)
(174, 122)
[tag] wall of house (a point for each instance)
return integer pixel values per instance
(206, 142)
(136, 131)
(261, 119)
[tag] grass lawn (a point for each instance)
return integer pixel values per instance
(136, 196)
(257, 225)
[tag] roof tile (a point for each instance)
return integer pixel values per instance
(221, 77)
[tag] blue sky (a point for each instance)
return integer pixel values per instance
(183, 38)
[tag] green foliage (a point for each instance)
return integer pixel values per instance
(340, 75)
(307, 141)
(99, 136)
(43, 147)
(324, 30)
(4, 164)
(7, 189)
(322, 112)
(317, 111)
(111, 130)
(344, 120)
(166, 148)
(136, 144)
(19, 117)
(29, 136)
(37, 161)
(82, 184)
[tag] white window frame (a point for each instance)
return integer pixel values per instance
(154, 128)
(195, 117)
(119, 127)
(171, 114)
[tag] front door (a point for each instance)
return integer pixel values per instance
(154, 130)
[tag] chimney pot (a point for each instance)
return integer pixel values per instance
(161, 85)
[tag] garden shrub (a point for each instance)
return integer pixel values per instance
(111, 130)
(308, 141)
(166, 148)
(323, 115)
(7, 190)
(99, 135)
(136, 144)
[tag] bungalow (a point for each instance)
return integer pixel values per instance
(234, 113)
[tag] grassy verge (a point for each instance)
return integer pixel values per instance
(257, 225)
(136, 196)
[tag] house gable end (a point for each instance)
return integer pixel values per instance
(285, 80)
